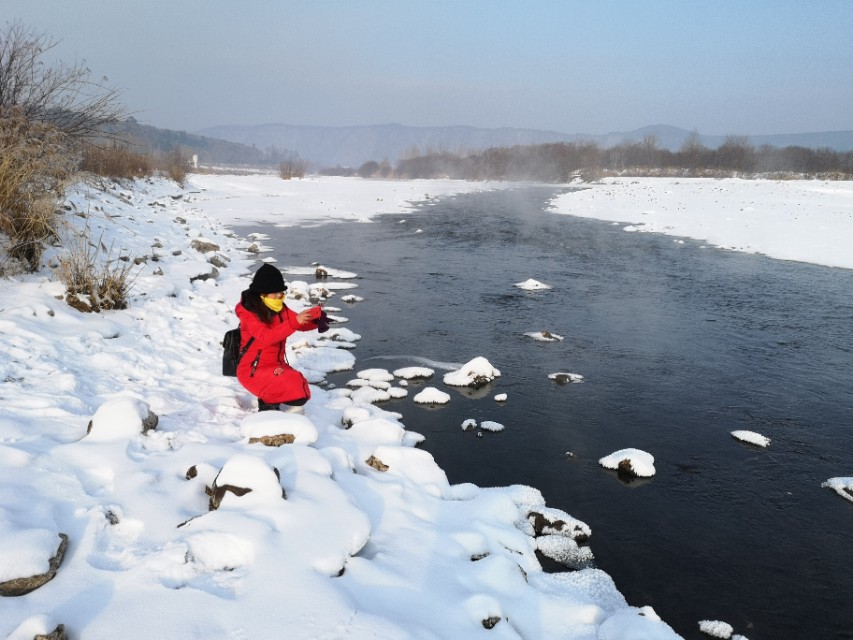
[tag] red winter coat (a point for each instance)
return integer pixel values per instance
(264, 370)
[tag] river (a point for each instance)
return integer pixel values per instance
(679, 345)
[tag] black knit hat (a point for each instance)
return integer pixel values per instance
(267, 279)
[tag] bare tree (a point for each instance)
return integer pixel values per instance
(62, 95)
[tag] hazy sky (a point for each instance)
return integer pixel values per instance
(719, 67)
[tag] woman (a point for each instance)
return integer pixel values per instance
(265, 324)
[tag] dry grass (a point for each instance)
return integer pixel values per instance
(291, 169)
(175, 165)
(35, 166)
(117, 161)
(93, 278)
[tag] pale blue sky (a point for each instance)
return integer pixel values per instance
(719, 67)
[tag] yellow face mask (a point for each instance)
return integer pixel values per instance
(274, 304)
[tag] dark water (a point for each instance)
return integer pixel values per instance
(679, 346)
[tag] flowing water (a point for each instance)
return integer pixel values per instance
(679, 345)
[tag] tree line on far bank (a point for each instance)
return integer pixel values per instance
(564, 162)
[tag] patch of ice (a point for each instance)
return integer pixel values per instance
(841, 486)
(751, 437)
(716, 628)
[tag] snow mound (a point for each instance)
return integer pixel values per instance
(431, 395)
(119, 419)
(475, 373)
(380, 375)
(490, 425)
(532, 285)
(634, 461)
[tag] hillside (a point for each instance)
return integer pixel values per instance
(210, 150)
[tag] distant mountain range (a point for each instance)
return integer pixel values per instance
(352, 146)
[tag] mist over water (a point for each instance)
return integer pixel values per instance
(679, 345)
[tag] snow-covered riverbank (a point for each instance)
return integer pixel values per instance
(802, 220)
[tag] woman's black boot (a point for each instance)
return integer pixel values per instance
(266, 406)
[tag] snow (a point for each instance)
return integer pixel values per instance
(344, 547)
(477, 372)
(500, 397)
(491, 425)
(841, 486)
(803, 220)
(751, 437)
(532, 285)
(544, 336)
(716, 628)
(413, 373)
(642, 463)
(563, 377)
(431, 395)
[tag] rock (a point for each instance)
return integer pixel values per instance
(274, 441)
(625, 468)
(204, 246)
(261, 478)
(56, 634)
(216, 494)
(320, 273)
(489, 623)
(376, 463)
(543, 525)
(218, 261)
(21, 586)
(150, 422)
(213, 274)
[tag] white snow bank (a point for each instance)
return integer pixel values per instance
(803, 220)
